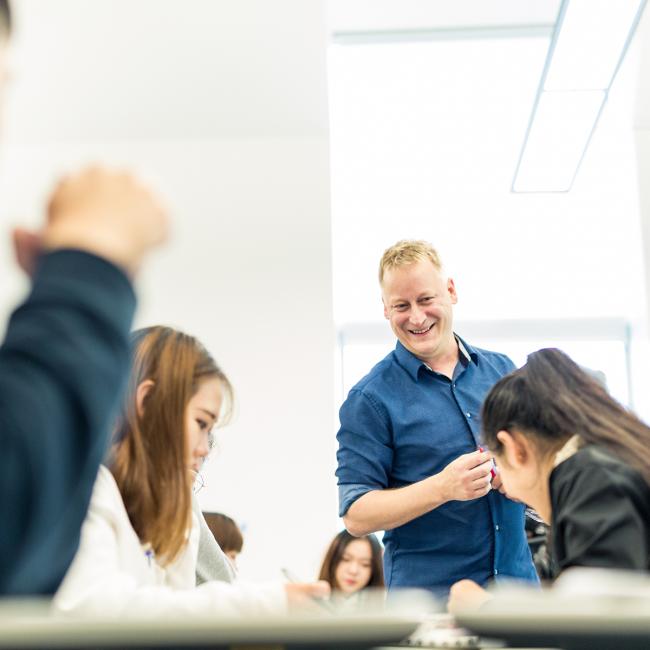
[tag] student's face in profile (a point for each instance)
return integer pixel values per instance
(418, 303)
(355, 567)
(201, 416)
(523, 473)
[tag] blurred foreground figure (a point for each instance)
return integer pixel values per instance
(64, 361)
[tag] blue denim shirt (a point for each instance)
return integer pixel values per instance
(404, 422)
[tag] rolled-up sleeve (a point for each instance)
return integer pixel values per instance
(365, 453)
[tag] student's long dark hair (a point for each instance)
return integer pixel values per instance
(335, 554)
(552, 399)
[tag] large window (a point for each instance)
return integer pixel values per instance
(425, 139)
(601, 346)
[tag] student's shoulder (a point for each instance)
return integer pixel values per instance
(594, 468)
(597, 458)
(106, 496)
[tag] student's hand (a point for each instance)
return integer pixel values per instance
(467, 477)
(301, 595)
(27, 247)
(466, 594)
(498, 485)
(107, 213)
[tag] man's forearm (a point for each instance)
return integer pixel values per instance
(387, 509)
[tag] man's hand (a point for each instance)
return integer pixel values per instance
(106, 213)
(467, 477)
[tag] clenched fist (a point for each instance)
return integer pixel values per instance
(107, 213)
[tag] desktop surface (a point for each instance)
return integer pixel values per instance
(567, 622)
(30, 626)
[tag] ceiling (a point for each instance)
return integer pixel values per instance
(160, 69)
(422, 15)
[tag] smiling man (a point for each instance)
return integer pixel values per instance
(410, 459)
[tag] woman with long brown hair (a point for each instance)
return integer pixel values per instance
(565, 447)
(139, 542)
(352, 565)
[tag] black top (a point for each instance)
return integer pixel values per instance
(62, 367)
(601, 513)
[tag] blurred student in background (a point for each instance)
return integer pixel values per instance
(568, 449)
(351, 565)
(212, 563)
(140, 540)
(227, 534)
(64, 360)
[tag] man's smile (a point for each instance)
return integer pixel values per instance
(421, 332)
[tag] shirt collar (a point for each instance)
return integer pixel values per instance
(412, 364)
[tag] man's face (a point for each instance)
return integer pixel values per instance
(418, 303)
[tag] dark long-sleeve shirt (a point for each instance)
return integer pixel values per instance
(601, 513)
(62, 368)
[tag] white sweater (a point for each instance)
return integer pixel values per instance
(113, 575)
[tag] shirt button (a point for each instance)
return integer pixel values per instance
(468, 414)
(496, 528)
(496, 572)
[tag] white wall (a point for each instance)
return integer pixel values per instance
(222, 104)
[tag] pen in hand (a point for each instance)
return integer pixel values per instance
(320, 601)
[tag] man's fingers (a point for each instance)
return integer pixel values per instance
(479, 492)
(482, 486)
(484, 469)
(474, 459)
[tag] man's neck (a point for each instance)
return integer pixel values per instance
(445, 362)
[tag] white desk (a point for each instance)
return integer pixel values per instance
(28, 628)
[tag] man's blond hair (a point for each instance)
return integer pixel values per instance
(405, 252)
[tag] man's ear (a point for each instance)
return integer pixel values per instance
(514, 448)
(141, 393)
(386, 314)
(451, 289)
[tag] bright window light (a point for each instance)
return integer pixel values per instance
(557, 140)
(423, 139)
(607, 358)
(591, 40)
